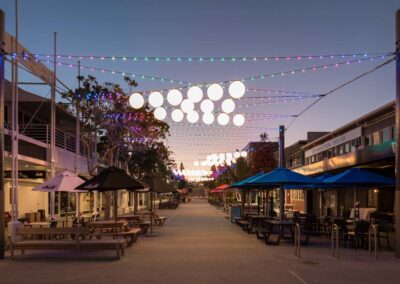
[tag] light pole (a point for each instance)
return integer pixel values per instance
(397, 153)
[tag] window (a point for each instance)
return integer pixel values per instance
(373, 197)
(386, 134)
(347, 147)
(368, 140)
(297, 194)
(376, 138)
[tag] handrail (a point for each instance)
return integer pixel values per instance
(297, 243)
(335, 241)
(373, 231)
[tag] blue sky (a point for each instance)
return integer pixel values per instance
(225, 28)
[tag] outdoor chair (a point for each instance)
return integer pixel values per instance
(358, 238)
(384, 228)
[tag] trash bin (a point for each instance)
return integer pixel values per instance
(234, 212)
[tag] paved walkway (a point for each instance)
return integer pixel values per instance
(198, 245)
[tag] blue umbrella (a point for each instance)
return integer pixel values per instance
(359, 177)
(321, 177)
(281, 177)
(242, 183)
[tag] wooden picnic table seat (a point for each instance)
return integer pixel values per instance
(245, 225)
(76, 238)
(130, 235)
(159, 220)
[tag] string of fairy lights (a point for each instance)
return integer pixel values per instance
(192, 105)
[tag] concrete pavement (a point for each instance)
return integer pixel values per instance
(198, 245)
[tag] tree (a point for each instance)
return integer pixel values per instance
(263, 159)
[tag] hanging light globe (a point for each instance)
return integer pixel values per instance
(177, 115)
(215, 92)
(237, 89)
(243, 154)
(207, 106)
(187, 106)
(223, 119)
(236, 154)
(238, 120)
(196, 163)
(195, 94)
(192, 116)
(208, 118)
(229, 156)
(156, 99)
(221, 157)
(136, 100)
(160, 113)
(228, 106)
(174, 97)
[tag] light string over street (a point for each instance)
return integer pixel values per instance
(207, 59)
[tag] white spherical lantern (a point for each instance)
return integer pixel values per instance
(236, 154)
(192, 116)
(195, 94)
(187, 106)
(223, 119)
(177, 115)
(215, 92)
(229, 156)
(174, 97)
(208, 118)
(243, 154)
(196, 163)
(136, 100)
(237, 89)
(221, 157)
(160, 113)
(156, 99)
(228, 106)
(238, 120)
(207, 106)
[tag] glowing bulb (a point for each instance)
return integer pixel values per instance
(160, 113)
(215, 92)
(237, 89)
(174, 97)
(136, 100)
(243, 154)
(238, 120)
(228, 106)
(208, 118)
(221, 156)
(229, 156)
(187, 106)
(195, 94)
(207, 106)
(236, 154)
(196, 163)
(223, 119)
(192, 116)
(177, 115)
(156, 99)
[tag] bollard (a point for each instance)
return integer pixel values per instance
(297, 234)
(335, 241)
(373, 230)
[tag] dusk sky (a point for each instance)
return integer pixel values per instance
(224, 28)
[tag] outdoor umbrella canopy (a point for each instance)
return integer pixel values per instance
(281, 177)
(243, 182)
(112, 179)
(358, 177)
(156, 185)
(65, 181)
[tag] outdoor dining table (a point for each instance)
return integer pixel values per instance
(108, 225)
(256, 219)
(282, 225)
(38, 224)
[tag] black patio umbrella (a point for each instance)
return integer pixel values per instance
(156, 185)
(112, 179)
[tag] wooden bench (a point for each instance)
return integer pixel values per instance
(62, 239)
(245, 225)
(159, 220)
(263, 231)
(130, 236)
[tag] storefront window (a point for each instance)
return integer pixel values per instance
(297, 194)
(373, 197)
(376, 138)
(386, 135)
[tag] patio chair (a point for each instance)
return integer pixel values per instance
(384, 228)
(359, 236)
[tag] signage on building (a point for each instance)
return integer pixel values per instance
(27, 174)
(346, 137)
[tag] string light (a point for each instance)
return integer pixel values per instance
(218, 59)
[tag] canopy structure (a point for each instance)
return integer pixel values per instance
(280, 177)
(356, 177)
(242, 183)
(112, 179)
(219, 189)
(65, 181)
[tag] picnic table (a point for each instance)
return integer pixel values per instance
(278, 227)
(115, 229)
(38, 224)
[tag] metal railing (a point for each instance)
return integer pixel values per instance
(297, 242)
(373, 234)
(335, 240)
(41, 132)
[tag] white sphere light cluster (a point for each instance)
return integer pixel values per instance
(187, 106)
(221, 159)
(136, 100)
